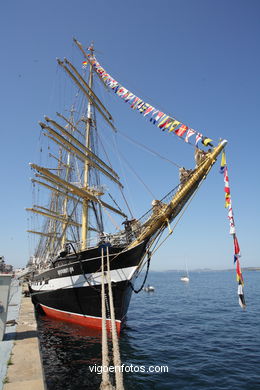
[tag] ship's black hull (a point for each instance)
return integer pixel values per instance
(71, 290)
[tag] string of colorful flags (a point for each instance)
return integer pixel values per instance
(157, 117)
(232, 230)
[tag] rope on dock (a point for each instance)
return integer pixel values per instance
(106, 384)
(116, 352)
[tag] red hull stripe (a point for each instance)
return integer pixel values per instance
(80, 319)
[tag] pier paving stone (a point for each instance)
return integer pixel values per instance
(25, 371)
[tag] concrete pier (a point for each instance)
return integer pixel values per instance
(6, 345)
(24, 368)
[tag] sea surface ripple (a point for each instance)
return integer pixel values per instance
(196, 329)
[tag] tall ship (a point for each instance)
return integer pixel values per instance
(81, 210)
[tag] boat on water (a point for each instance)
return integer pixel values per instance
(65, 281)
(149, 288)
(186, 278)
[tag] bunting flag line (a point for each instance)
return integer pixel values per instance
(228, 205)
(158, 118)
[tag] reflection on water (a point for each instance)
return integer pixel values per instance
(67, 352)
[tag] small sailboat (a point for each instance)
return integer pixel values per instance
(186, 278)
(149, 288)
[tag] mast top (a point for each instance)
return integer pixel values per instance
(91, 48)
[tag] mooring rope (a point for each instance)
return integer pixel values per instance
(105, 384)
(116, 351)
(146, 274)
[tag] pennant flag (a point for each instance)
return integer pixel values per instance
(190, 132)
(84, 64)
(122, 91)
(198, 137)
(181, 130)
(241, 298)
(236, 246)
(206, 141)
(153, 114)
(116, 88)
(232, 229)
(226, 188)
(158, 116)
(227, 201)
(148, 110)
(130, 97)
(140, 105)
(163, 121)
(174, 124)
(125, 95)
(239, 273)
(143, 108)
(223, 162)
(135, 101)
(169, 123)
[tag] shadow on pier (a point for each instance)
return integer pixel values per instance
(28, 334)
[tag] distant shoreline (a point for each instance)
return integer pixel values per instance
(208, 269)
(251, 269)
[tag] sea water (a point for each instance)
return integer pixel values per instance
(182, 336)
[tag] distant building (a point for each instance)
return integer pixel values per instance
(8, 268)
(5, 268)
(2, 263)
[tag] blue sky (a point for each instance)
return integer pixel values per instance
(197, 60)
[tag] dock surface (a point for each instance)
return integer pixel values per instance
(24, 369)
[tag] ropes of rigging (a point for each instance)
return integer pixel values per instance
(138, 176)
(159, 233)
(120, 189)
(151, 253)
(148, 149)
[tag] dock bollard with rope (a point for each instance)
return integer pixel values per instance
(106, 384)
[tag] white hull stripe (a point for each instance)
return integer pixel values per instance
(76, 281)
(74, 314)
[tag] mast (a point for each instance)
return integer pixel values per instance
(65, 205)
(75, 196)
(85, 204)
